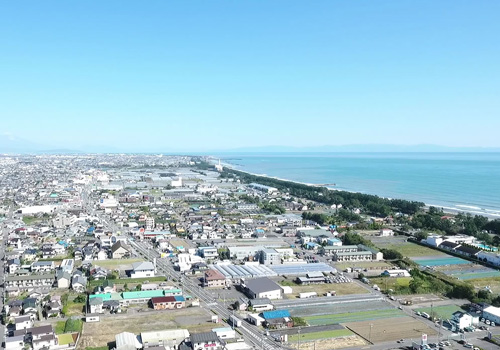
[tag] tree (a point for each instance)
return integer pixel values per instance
(125, 286)
(391, 254)
(138, 287)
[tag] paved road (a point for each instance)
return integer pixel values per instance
(252, 333)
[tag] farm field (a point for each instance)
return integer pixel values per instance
(441, 261)
(339, 288)
(443, 312)
(334, 309)
(103, 332)
(394, 283)
(363, 265)
(321, 335)
(329, 344)
(411, 250)
(390, 329)
(353, 316)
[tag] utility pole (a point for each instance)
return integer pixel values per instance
(298, 339)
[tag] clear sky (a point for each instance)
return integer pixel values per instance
(204, 75)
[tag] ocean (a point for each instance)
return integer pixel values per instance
(454, 181)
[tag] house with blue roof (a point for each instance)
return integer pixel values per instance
(277, 319)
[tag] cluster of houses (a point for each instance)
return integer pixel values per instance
(466, 246)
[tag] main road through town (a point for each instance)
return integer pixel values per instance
(250, 332)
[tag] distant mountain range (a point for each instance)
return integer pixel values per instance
(14, 145)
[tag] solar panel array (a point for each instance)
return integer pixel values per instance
(238, 271)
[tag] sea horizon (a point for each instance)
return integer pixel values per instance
(454, 181)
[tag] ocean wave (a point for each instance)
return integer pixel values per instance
(468, 207)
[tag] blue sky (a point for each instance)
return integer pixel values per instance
(204, 75)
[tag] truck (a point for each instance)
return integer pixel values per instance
(234, 321)
(308, 295)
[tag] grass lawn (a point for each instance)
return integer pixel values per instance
(65, 338)
(414, 250)
(31, 220)
(97, 348)
(352, 317)
(493, 283)
(321, 335)
(59, 328)
(394, 283)
(130, 280)
(113, 263)
(74, 309)
(443, 312)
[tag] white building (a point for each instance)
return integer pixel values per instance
(385, 232)
(263, 287)
(492, 258)
(170, 338)
(142, 269)
(434, 240)
(492, 313)
(270, 257)
(464, 320)
(176, 182)
(208, 252)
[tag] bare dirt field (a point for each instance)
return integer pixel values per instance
(390, 329)
(117, 264)
(103, 332)
(327, 344)
(339, 288)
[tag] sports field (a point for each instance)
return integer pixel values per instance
(353, 316)
(321, 335)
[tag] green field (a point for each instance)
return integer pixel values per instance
(321, 335)
(352, 317)
(443, 312)
(59, 328)
(65, 338)
(414, 250)
(112, 263)
(362, 265)
(130, 280)
(397, 284)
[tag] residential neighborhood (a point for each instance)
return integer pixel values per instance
(147, 252)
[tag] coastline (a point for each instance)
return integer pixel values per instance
(473, 210)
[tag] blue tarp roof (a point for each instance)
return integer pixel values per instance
(275, 314)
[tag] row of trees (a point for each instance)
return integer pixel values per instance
(369, 203)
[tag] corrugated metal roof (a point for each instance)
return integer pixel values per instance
(275, 314)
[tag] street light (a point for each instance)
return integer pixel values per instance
(370, 336)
